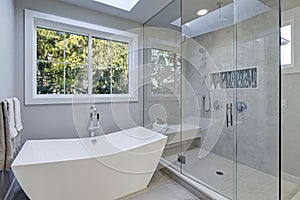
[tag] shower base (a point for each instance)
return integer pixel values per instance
(217, 175)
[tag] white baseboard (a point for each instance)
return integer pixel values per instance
(290, 178)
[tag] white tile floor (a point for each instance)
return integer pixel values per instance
(162, 187)
(296, 197)
(252, 184)
(289, 191)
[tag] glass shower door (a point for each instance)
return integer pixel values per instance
(257, 110)
(162, 80)
(209, 93)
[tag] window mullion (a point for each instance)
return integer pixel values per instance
(111, 67)
(65, 62)
(90, 66)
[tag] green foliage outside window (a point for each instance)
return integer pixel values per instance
(62, 64)
(165, 74)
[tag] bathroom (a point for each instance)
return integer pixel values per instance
(209, 75)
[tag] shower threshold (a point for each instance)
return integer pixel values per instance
(199, 188)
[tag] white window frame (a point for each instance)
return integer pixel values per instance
(34, 19)
(155, 43)
(289, 18)
(291, 23)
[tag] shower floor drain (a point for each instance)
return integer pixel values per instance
(219, 173)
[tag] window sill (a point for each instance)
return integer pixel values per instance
(79, 99)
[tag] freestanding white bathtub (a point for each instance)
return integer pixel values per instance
(98, 168)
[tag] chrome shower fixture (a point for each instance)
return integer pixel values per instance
(241, 107)
(220, 18)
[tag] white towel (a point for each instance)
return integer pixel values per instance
(17, 111)
(11, 119)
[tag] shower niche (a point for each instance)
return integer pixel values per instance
(242, 78)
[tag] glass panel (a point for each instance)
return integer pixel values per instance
(208, 131)
(111, 75)
(101, 80)
(57, 71)
(120, 68)
(76, 48)
(164, 72)
(50, 45)
(101, 52)
(290, 102)
(101, 60)
(50, 78)
(257, 39)
(120, 80)
(162, 80)
(76, 79)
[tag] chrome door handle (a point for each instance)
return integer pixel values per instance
(229, 118)
(227, 121)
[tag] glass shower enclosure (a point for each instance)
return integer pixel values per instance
(211, 79)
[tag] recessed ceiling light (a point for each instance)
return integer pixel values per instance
(202, 12)
(121, 4)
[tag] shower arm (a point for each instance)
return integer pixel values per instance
(219, 3)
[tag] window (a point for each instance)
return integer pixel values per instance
(286, 46)
(110, 66)
(165, 75)
(62, 62)
(88, 62)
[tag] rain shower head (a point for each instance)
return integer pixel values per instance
(220, 19)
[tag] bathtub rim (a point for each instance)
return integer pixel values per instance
(89, 155)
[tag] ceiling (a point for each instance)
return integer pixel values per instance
(143, 10)
(289, 4)
(210, 22)
(166, 16)
(147, 9)
(191, 7)
(188, 12)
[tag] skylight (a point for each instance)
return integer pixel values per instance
(121, 4)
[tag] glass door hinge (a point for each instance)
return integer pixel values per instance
(181, 159)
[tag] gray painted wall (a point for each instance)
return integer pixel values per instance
(7, 55)
(67, 121)
(7, 58)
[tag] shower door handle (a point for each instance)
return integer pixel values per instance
(227, 115)
(229, 119)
